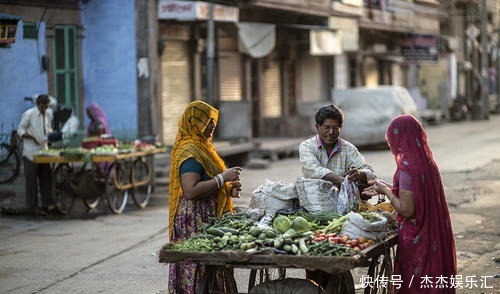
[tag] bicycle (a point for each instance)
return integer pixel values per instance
(10, 158)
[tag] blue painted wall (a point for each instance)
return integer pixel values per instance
(21, 75)
(109, 72)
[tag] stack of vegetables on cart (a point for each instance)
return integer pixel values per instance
(299, 233)
(104, 145)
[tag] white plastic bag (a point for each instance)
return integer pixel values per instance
(316, 194)
(280, 190)
(356, 226)
(348, 198)
(271, 202)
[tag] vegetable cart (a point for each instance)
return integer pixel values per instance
(111, 176)
(377, 258)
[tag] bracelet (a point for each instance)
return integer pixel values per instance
(390, 198)
(221, 179)
(217, 182)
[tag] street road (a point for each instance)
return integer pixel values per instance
(118, 253)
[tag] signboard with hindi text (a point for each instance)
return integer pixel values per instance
(419, 47)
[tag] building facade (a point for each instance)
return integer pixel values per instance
(266, 64)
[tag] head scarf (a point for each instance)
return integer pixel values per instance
(431, 247)
(98, 115)
(190, 142)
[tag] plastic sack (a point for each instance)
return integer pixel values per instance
(317, 194)
(348, 197)
(269, 202)
(357, 226)
(280, 190)
(82, 184)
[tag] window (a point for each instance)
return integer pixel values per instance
(30, 30)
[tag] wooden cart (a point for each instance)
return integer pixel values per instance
(114, 176)
(377, 258)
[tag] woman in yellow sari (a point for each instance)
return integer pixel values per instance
(200, 186)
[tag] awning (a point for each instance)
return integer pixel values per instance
(350, 31)
(10, 18)
(322, 40)
(256, 39)
(325, 42)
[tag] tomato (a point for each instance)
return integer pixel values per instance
(356, 248)
(345, 238)
(354, 242)
(362, 239)
(362, 246)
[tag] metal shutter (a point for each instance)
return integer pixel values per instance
(176, 87)
(230, 75)
(312, 80)
(271, 106)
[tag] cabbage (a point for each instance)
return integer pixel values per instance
(282, 223)
(300, 225)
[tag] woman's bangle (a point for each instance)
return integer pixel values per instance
(216, 178)
(391, 197)
(221, 179)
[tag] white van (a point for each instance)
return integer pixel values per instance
(369, 110)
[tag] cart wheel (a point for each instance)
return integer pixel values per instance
(265, 274)
(341, 283)
(141, 194)
(209, 282)
(380, 267)
(117, 199)
(64, 200)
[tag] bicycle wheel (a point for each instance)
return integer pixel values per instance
(117, 199)
(64, 200)
(10, 164)
(141, 171)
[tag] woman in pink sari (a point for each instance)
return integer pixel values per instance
(426, 258)
(98, 124)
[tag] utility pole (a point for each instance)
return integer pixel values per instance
(210, 54)
(484, 62)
